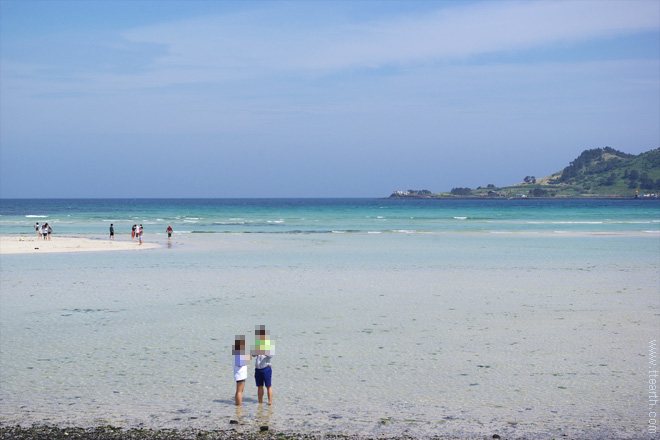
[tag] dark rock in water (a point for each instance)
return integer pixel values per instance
(263, 428)
(233, 422)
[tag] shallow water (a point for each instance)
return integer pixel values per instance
(451, 333)
(454, 334)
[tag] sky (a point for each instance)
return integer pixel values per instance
(316, 98)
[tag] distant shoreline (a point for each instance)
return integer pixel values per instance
(516, 198)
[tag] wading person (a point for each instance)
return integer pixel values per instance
(263, 351)
(241, 361)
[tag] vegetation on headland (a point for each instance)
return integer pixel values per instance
(599, 172)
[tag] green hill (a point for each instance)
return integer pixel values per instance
(600, 172)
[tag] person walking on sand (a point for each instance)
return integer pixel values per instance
(112, 232)
(48, 230)
(263, 350)
(169, 231)
(139, 232)
(38, 229)
(133, 232)
(241, 361)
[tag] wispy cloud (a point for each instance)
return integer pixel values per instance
(275, 40)
(255, 43)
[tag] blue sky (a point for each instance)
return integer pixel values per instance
(316, 99)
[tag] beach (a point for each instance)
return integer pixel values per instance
(388, 333)
(32, 245)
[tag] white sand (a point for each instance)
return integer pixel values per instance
(31, 245)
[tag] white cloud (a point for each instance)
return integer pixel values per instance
(263, 42)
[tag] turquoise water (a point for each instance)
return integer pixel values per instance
(79, 216)
(459, 318)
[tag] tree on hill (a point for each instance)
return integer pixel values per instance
(538, 192)
(610, 180)
(592, 162)
(461, 191)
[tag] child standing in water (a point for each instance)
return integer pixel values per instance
(263, 350)
(241, 361)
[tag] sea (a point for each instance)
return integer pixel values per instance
(460, 318)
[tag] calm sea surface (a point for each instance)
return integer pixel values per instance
(459, 318)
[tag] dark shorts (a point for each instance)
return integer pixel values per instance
(239, 381)
(263, 376)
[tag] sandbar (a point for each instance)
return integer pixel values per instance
(33, 245)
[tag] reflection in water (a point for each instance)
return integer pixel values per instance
(239, 413)
(264, 414)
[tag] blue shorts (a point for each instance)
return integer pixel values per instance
(263, 376)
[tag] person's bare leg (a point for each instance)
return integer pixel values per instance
(260, 394)
(270, 395)
(239, 393)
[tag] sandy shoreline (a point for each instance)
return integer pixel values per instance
(31, 245)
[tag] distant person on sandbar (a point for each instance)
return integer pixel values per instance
(139, 232)
(112, 232)
(133, 232)
(241, 361)
(49, 230)
(169, 231)
(44, 231)
(38, 229)
(263, 350)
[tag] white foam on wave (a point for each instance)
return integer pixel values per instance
(36, 216)
(576, 223)
(374, 232)
(460, 218)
